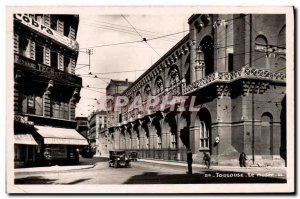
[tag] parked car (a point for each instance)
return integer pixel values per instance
(134, 155)
(117, 158)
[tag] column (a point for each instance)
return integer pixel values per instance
(220, 27)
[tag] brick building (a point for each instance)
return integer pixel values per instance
(235, 66)
(46, 88)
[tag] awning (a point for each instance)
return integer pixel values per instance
(64, 136)
(26, 139)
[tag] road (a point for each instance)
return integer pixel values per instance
(151, 173)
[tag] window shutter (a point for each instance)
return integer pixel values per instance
(47, 20)
(60, 62)
(73, 66)
(32, 50)
(60, 26)
(16, 43)
(72, 33)
(47, 56)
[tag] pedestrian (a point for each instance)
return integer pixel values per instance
(206, 159)
(242, 159)
(189, 161)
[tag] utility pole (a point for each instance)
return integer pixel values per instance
(89, 52)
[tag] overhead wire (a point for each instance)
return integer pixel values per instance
(143, 38)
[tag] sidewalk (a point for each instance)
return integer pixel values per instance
(184, 164)
(55, 168)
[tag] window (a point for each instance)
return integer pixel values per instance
(59, 110)
(66, 30)
(204, 136)
(39, 18)
(24, 47)
(53, 23)
(32, 104)
(39, 53)
(230, 62)
(54, 59)
(67, 64)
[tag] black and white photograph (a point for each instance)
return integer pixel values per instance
(150, 99)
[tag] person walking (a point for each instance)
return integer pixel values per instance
(189, 161)
(206, 159)
(242, 159)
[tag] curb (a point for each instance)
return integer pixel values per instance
(52, 169)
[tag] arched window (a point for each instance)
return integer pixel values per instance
(261, 40)
(159, 85)
(281, 41)
(267, 134)
(207, 47)
(174, 75)
(261, 49)
(204, 126)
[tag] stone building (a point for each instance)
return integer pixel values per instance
(234, 65)
(97, 121)
(82, 126)
(46, 88)
(114, 88)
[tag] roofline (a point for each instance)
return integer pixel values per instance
(186, 37)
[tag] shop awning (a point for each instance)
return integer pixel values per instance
(26, 139)
(64, 136)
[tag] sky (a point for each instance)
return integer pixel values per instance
(99, 30)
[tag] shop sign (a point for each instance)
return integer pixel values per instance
(48, 71)
(21, 119)
(28, 21)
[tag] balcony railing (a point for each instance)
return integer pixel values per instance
(47, 71)
(174, 90)
(250, 73)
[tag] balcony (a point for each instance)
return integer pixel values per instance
(228, 77)
(46, 71)
(217, 77)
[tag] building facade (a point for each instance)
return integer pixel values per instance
(234, 66)
(82, 126)
(46, 88)
(114, 88)
(97, 122)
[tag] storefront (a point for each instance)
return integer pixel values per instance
(25, 150)
(59, 145)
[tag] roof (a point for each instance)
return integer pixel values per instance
(119, 82)
(184, 39)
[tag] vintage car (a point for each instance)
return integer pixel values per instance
(134, 155)
(117, 158)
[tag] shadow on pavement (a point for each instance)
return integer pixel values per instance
(76, 181)
(90, 161)
(34, 180)
(206, 177)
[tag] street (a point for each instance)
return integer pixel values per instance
(151, 173)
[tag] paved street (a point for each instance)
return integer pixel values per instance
(152, 173)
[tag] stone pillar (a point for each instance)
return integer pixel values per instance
(220, 27)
